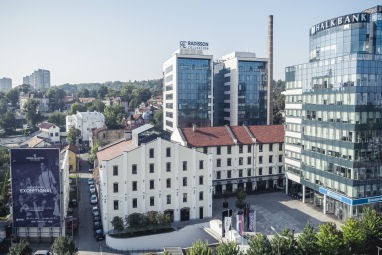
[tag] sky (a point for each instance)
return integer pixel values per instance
(82, 41)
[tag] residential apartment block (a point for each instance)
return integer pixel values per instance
(5, 84)
(246, 157)
(38, 80)
(152, 173)
(85, 122)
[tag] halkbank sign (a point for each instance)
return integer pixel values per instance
(343, 20)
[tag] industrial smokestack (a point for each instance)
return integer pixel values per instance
(270, 71)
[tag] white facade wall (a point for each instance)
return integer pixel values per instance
(85, 122)
(53, 133)
(140, 157)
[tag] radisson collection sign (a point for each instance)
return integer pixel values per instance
(343, 20)
(193, 45)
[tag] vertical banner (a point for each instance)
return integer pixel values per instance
(35, 178)
(240, 223)
(227, 224)
(252, 220)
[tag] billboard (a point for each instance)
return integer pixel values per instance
(35, 177)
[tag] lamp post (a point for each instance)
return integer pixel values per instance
(278, 243)
(379, 248)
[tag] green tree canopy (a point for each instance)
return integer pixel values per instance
(307, 241)
(63, 245)
(200, 248)
(228, 248)
(77, 107)
(72, 135)
(158, 119)
(113, 116)
(284, 242)
(21, 248)
(240, 199)
(8, 122)
(57, 118)
(31, 113)
(259, 245)
(354, 236)
(97, 105)
(117, 223)
(329, 239)
(371, 223)
(13, 96)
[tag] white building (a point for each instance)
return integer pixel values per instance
(152, 173)
(246, 157)
(187, 89)
(85, 122)
(43, 102)
(39, 80)
(5, 84)
(50, 131)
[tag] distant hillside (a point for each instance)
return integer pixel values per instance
(155, 86)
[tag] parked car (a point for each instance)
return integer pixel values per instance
(97, 225)
(92, 188)
(73, 203)
(91, 170)
(90, 181)
(98, 234)
(95, 210)
(96, 218)
(43, 252)
(93, 199)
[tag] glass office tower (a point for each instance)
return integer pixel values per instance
(187, 78)
(334, 115)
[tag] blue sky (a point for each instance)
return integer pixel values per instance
(109, 40)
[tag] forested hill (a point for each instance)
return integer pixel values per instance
(152, 85)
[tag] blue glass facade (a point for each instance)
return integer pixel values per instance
(194, 92)
(341, 112)
(252, 91)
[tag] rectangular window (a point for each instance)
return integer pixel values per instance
(280, 169)
(280, 158)
(151, 168)
(249, 148)
(280, 146)
(240, 173)
(270, 159)
(218, 150)
(201, 180)
(201, 195)
(229, 161)
(249, 172)
(270, 147)
(260, 147)
(168, 199)
(115, 187)
(116, 205)
(240, 148)
(134, 169)
(168, 183)
(200, 164)
(229, 151)
(184, 165)
(151, 153)
(270, 170)
(184, 181)
(260, 159)
(168, 166)
(218, 175)
(240, 161)
(205, 149)
(184, 197)
(229, 174)
(115, 170)
(260, 171)
(168, 152)
(135, 203)
(152, 202)
(218, 162)
(249, 160)
(151, 184)
(135, 186)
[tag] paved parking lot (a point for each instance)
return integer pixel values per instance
(278, 210)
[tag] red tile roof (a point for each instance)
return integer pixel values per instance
(115, 150)
(241, 135)
(268, 134)
(46, 125)
(207, 136)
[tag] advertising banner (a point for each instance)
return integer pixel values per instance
(35, 177)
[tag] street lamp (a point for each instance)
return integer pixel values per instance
(379, 248)
(278, 243)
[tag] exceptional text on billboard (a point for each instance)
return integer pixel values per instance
(35, 175)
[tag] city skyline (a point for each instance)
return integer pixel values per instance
(94, 41)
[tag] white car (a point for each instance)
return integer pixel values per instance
(90, 181)
(93, 199)
(42, 252)
(92, 188)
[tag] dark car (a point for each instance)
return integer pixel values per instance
(96, 218)
(98, 234)
(97, 225)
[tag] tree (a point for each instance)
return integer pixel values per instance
(278, 101)
(72, 135)
(354, 236)
(13, 97)
(259, 245)
(77, 107)
(158, 119)
(228, 248)
(371, 223)
(97, 105)
(102, 92)
(8, 122)
(117, 223)
(31, 112)
(284, 243)
(329, 239)
(21, 248)
(240, 199)
(56, 98)
(200, 248)
(63, 245)
(113, 116)
(307, 241)
(57, 118)
(93, 153)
